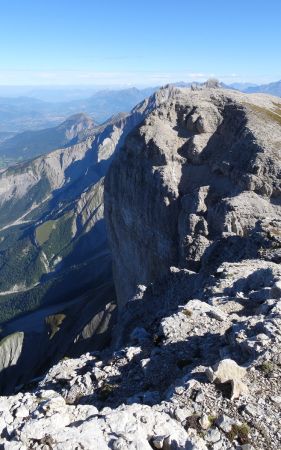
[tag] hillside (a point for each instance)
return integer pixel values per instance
(30, 144)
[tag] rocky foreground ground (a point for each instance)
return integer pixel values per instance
(201, 374)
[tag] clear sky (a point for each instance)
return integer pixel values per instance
(88, 42)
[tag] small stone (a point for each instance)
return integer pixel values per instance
(276, 399)
(131, 352)
(247, 447)
(204, 422)
(22, 412)
(213, 435)
(182, 413)
(195, 442)
(217, 314)
(158, 441)
(98, 374)
(262, 337)
(179, 390)
(145, 362)
(228, 370)
(225, 423)
(119, 444)
(251, 410)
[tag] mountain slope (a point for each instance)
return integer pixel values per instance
(30, 144)
(54, 257)
(199, 158)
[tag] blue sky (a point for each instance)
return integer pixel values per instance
(88, 42)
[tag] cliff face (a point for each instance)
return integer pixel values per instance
(197, 183)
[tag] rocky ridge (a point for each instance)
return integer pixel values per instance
(193, 214)
(197, 183)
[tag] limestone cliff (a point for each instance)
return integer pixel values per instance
(197, 183)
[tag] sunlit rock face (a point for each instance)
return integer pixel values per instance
(197, 183)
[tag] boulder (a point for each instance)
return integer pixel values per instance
(226, 371)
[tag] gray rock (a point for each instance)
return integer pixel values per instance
(182, 413)
(205, 422)
(276, 399)
(228, 370)
(198, 181)
(139, 334)
(213, 435)
(225, 423)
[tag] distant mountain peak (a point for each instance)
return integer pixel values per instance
(270, 88)
(78, 119)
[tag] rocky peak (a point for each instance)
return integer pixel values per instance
(75, 124)
(196, 183)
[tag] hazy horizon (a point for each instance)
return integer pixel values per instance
(80, 44)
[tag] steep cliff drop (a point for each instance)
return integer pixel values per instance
(197, 184)
(55, 264)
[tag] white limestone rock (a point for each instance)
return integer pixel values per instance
(228, 370)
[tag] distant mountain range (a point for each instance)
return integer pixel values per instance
(19, 114)
(242, 86)
(250, 88)
(26, 113)
(271, 88)
(30, 127)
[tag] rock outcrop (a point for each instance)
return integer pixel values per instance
(197, 183)
(155, 390)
